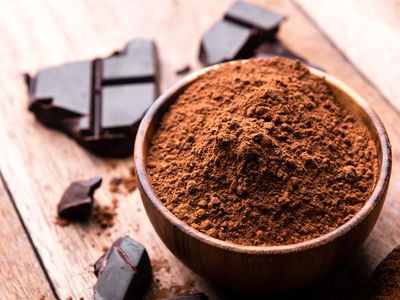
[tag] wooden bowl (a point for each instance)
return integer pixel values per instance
(263, 268)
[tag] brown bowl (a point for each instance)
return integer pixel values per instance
(263, 268)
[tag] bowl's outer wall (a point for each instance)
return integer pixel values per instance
(258, 273)
(247, 271)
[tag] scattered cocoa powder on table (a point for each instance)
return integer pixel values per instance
(262, 153)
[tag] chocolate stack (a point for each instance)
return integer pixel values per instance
(99, 103)
(245, 31)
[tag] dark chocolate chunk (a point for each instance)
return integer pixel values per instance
(197, 296)
(384, 282)
(65, 89)
(244, 27)
(126, 273)
(137, 63)
(77, 200)
(99, 103)
(265, 21)
(225, 41)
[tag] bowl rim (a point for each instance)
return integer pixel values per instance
(368, 207)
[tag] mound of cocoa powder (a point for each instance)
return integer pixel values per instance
(262, 153)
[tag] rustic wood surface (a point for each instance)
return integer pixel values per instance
(38, 163)
(368, 33)
(21, 275)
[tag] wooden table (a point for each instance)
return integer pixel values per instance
(40, 260)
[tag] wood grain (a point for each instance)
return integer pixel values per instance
(368, 33)
(21, 276)
(38, 163)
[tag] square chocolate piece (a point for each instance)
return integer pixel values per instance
(137, 63)
(265, 21)
(118, 101)
(225, 41)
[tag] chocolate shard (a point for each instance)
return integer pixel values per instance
(183, 70)
(126, 273)
(61, 92)
(77, 200)
(226, 41)
(197, 296)
(137, 63)
(82, 99)
(265, 21)
(384, 282)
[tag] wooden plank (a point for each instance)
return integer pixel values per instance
(39, 163)
(21, 275)
(368, 33)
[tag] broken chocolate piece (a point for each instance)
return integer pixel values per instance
(126, 273)
(384, 282)
(77, 200)
(265, 21)
(99, 103)
(137, 63)
(244, 27)
(197, 296)
(226, 41)
(58, 93)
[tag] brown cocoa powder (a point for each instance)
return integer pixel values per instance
(262, 153)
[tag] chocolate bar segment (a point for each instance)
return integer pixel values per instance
(66, 89)
(252, 16)
(118, 101)
(77, 200)
(127, 272)
(225, 41)
(137, 63)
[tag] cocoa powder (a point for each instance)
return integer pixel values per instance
(262, 153)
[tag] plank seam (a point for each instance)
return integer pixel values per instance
(343, 55)
(36, 252)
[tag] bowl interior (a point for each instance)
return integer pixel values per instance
(351, 100)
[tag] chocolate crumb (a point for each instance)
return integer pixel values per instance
(125, 184)
(115, 184)
(184, 70)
